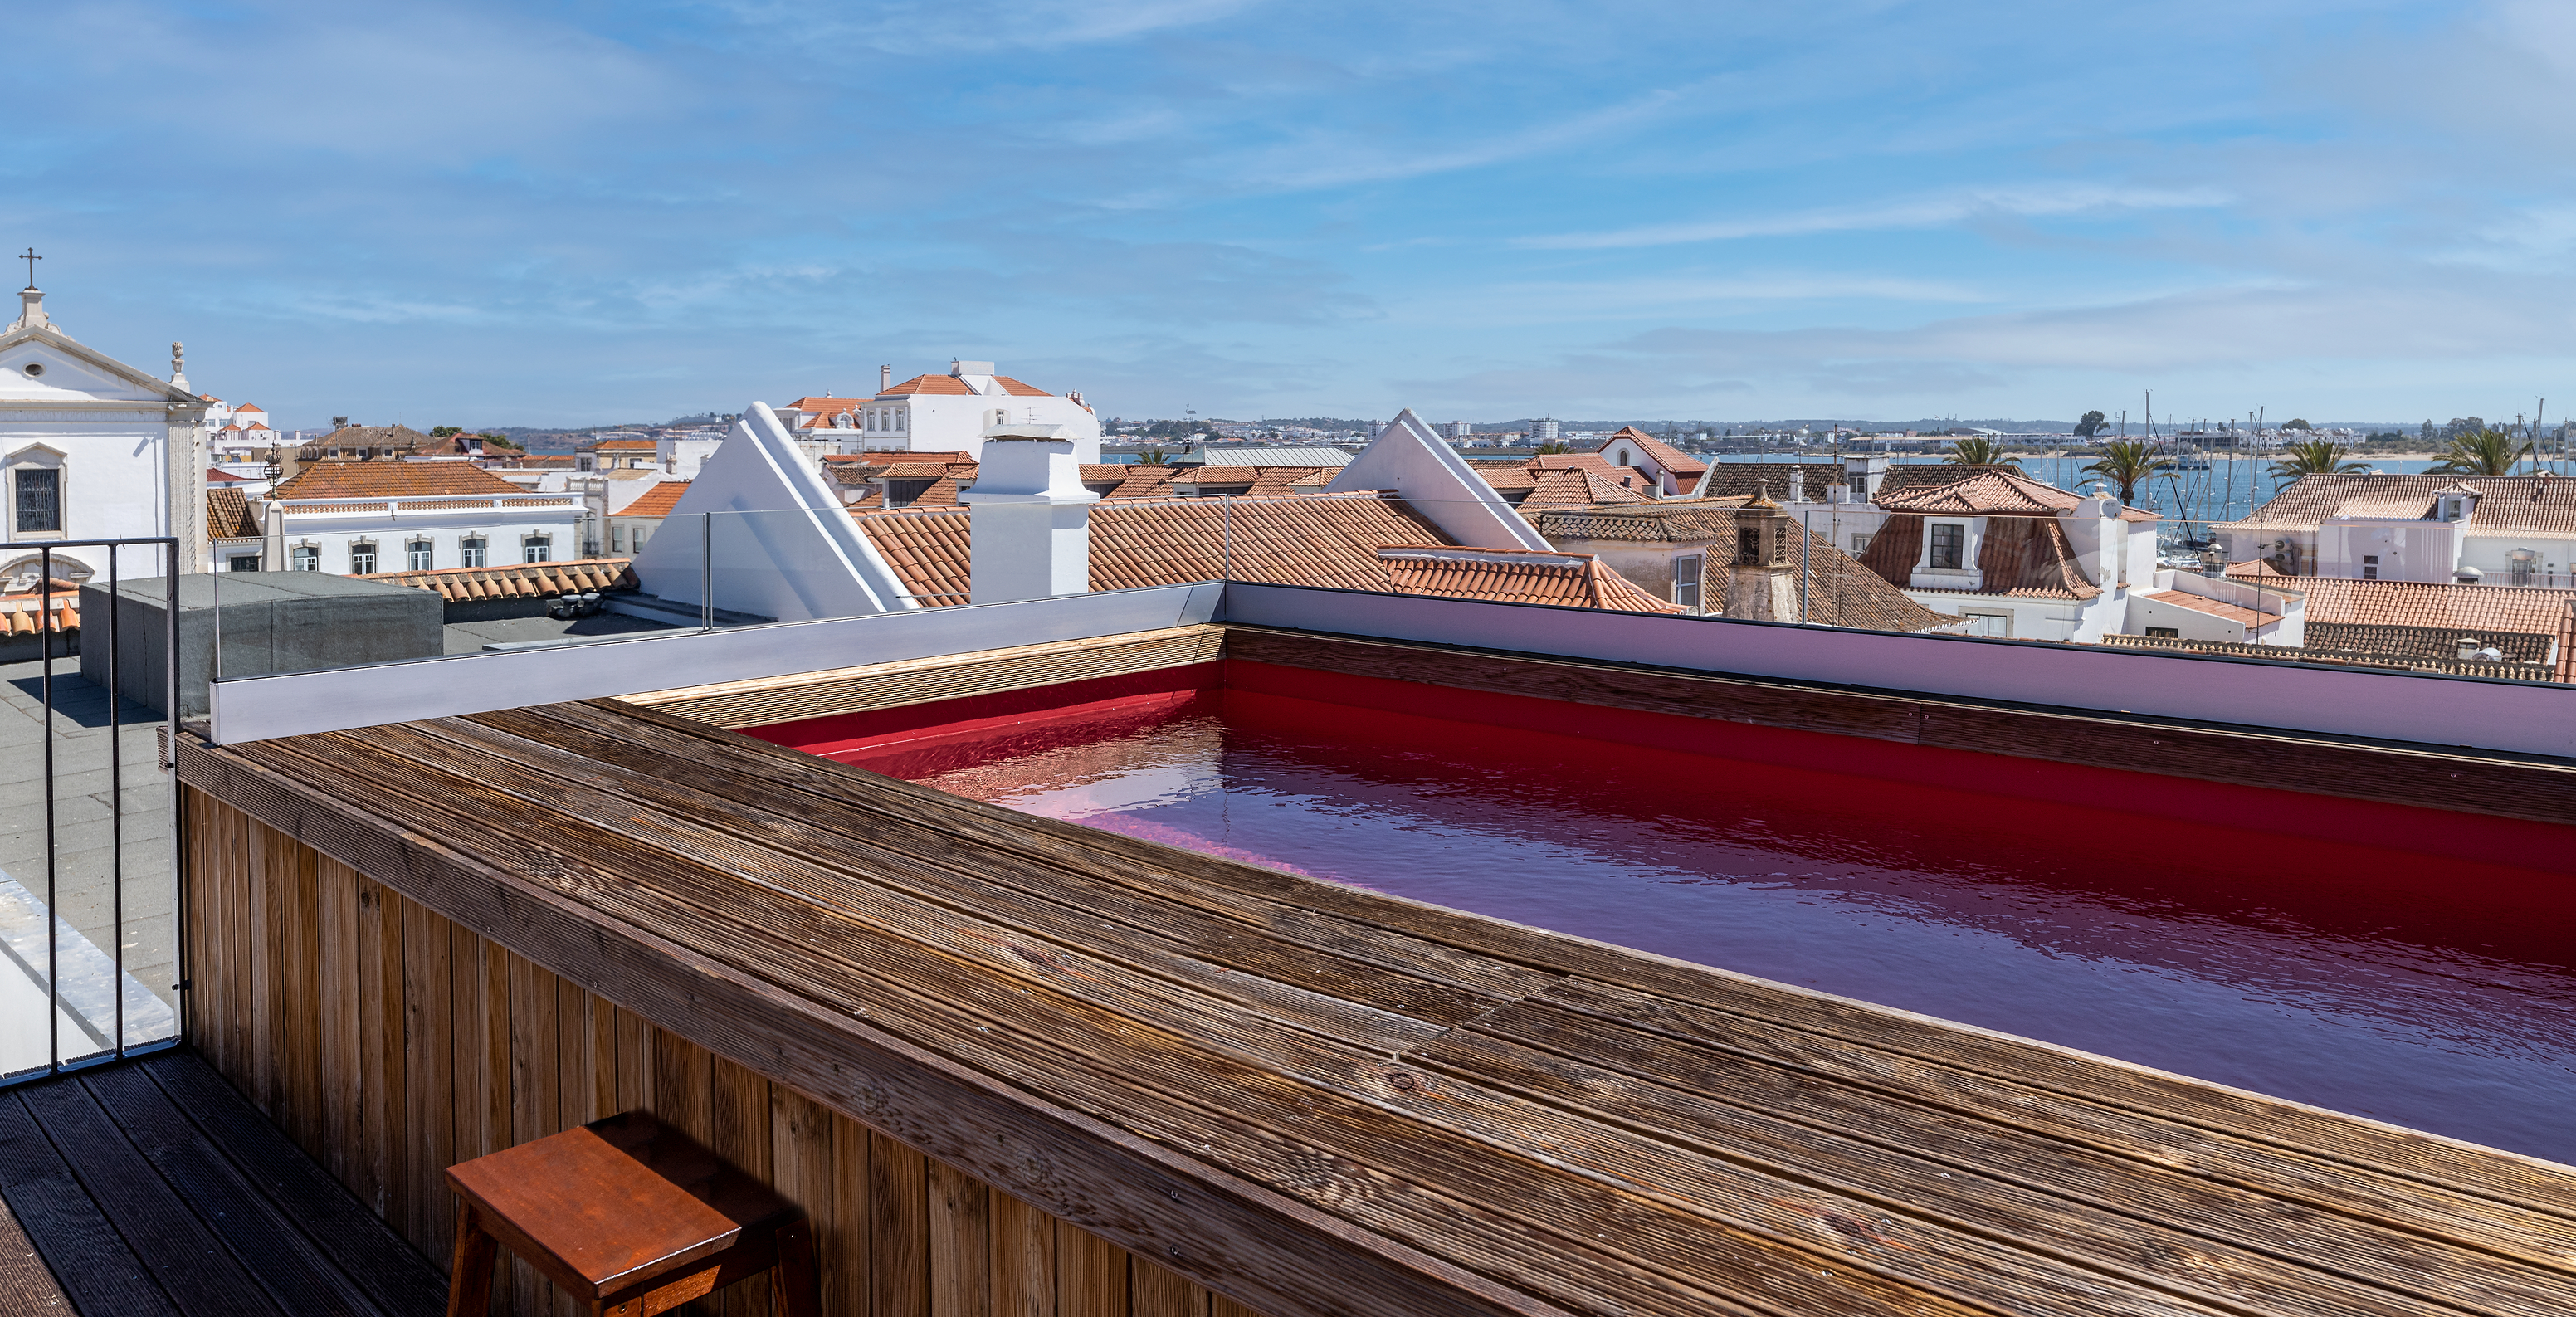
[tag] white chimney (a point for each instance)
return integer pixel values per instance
(1030, 520)
(885, 378)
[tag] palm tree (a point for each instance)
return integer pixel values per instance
(2486, 452)
(2129, 463)
(1980, 451)
(2314, 457)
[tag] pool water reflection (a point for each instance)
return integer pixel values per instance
(2205, 950)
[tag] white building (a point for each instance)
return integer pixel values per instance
(947, 413)
(2498, 530)
(355, 518)
(91, 448)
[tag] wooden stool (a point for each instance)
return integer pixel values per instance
(630, 1218)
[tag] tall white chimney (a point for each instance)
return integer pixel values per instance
(1030, 519)
(885, 378)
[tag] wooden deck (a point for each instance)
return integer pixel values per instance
(1315, 1099)
(152, 1189)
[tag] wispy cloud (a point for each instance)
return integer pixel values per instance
(2023, 200)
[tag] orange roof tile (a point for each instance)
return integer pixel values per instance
(1684, 467)
(657, 501)
(228, 516)
(2542, 505)
(623, 446)
(534, 580)
(2466, 609)
(1018, 390)
(1568, 487)
(1522, 576)
(1312, 539)
(946, 384)
(379, 480)
(2214, 607)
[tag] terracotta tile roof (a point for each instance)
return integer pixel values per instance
(1985, 492)
(1680, 521)
(1568, 487)
(1310, 539)
(2540, 506)
(1143, 482)
(1506, 477)
(228, 516)
(1842, 592)
(948, 384)
(1104, 473)
(2424, 644)
(380, 436)
(534, 580)
(380, 480)
(23, 614)
(824, 409)
(2024, 557)
(622, 446)
(657, 501)
(2461, 610)
(2236, 613)
(1744, 479)
(1018, 390)
(216, 477)
(1684, 467)
(1925, 475)
(1524, 576)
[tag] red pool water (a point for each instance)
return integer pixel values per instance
(2389, 979)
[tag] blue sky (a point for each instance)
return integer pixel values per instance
(583, 213)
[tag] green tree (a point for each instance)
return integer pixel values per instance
(2129, 463)
(2297, 423)
(445, 431)
(2090, 426)
(1978, 450)
(1545, 450)
(2316, 457)
(2486, 452)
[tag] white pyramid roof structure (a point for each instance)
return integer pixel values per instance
(1427, 473)
(779, 545)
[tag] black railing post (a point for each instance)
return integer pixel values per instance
(53, 860)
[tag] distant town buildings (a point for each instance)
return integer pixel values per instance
(954, 412)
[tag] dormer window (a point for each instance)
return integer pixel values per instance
(1949, 544)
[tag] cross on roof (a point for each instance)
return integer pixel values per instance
(30, 257)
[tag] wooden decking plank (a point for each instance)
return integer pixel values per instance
(1636, 1226)
(299, 1277)
(2112, 1256)
(394, 1275)
(2005, 1264)
(1666, 1140)
(180, 1251)
(1194, 1097)
(94, 1265)
(824, 788)
(1428, 992)
(1174, 988)
(1499, 1240)
(1677, 1043)
(2341, 1146)
(27, 1286)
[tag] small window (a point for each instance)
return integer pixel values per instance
(1987, 624)
(34, 369)
(418, 556)
(1949, 544)
(2169, 633)
(2370, 557)
(2522, 565)
(1859, 542)
(2370, 573)
(616, 538)
(639, 539)
(1686, 582)
(304, 558)
(242, 562)
(471, 551)
(40, 500)
(538, 548)
(362, 557)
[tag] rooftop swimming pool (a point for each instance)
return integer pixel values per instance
(2389, 984)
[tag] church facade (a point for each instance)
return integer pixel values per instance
(92, 448)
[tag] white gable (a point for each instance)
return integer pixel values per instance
(1427, 473)
(782, 546)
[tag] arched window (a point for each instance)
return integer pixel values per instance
(418, 555)
(35, 491)
(362, 557)
(537, 548)
(474, 551)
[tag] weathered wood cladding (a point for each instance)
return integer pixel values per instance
(2466, 781)
(390, 1042)
(1322, 1099)
(947, 677)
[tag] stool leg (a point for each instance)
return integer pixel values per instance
(469, 1283)
(797, 1289)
